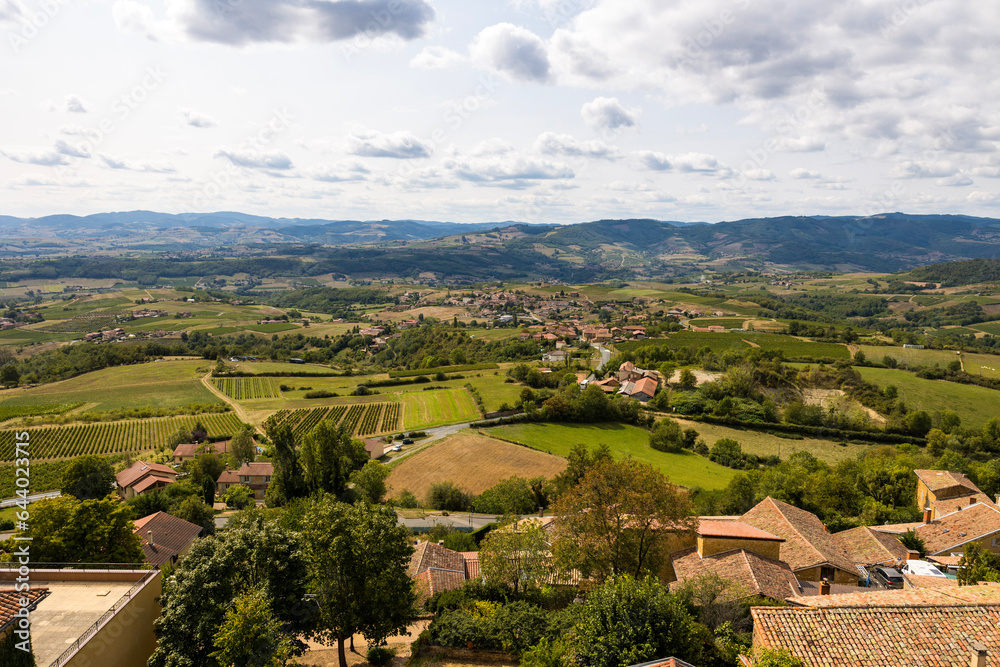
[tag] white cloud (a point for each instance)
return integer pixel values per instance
(399, 145)
(655, 161)
(801, 144)
(47, 157)
(507, 170)
(113, 162)
(252, 159)
(243, 22)
(342, 172)
(551, 143)
(805, 174)
(513, 51)
(196, 119)
(436, 57)
(75, 105)
(607, 113)
(956, 181)
(759, 175)
(65, 148)
(923, 169)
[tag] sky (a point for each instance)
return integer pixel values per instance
(543, 111)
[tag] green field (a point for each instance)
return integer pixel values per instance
(975, 405)
(987, 327)
(247, 389)
(765, 444)
(720, 342)
(725, 322)
(688, 470)
(166, 384)
(424, 409)
(909, 356)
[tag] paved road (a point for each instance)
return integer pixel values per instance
(457, 520)
(433, 435)
(605, 354)
(10, 502)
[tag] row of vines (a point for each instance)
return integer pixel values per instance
(113, 437)
(357, 419)
(247, 388)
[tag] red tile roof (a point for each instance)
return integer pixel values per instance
(870, 547)
(807, 544)
(949, 505)
(228, 477)
(645, 386)
(752, 572)
(950, 533)
(140, 469)
(880, 636)
(734, 530)
(151, 481)
(471, 564)
(433, 580)
(983, 594)
(10, 602)
(938, 480)
(170, 536)
(191, 449)
(430, 554)
(265, 468)
(925, 581)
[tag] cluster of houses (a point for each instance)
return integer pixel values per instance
(832, 611)
(149, 312)
(106, 335)
(630, 381)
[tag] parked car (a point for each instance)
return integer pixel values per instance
(407, 441)
(396, 448)
(888, 577)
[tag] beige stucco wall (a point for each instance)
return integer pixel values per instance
(839, 576)
(709, 546)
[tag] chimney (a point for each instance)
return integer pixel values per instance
(912, 555)
(149, 538)
(927, 515)
(824, 587)
(972, 500)
(978, 655)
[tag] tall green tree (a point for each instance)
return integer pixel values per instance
(628, 621)
(329, 455)
(254, 554)
(618, 520)
(67, 530)
(287, 482)
(517, 554)
(250, 635)
(977, 564)
(241, 448)
(358, 555)
(369, 481)
(88, 477)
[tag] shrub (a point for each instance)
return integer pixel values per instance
(380, 655)
(518, 626)
(320, 393)
(407, 499)
(447, 496)
(556, 653)
(7, 524)
(238, 497)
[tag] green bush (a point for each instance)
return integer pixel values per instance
(556, 653)
(518, 626)
(380, 655)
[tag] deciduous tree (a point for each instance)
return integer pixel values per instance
(358, 555)
(88, 477)
(618, 520)
(517, 554)
(329, 455)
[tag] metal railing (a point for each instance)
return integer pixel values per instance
(99, 623)
(9, 565)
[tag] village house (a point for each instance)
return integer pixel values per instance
(165, 538)
(190, 451)
(141, 477)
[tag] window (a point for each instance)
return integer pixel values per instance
(995, 542)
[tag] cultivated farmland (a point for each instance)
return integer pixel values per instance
(424, 409)
(247, 389)
(472, 462)
(132, 435)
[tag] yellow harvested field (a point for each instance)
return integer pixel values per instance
(471, 462)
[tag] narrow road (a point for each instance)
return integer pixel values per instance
(10, 502)
(605, 354)
(237, 408)
(433, 435)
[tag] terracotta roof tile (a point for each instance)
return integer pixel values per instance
(151, 481)
(807, 544)
(950, 532)
(870, 547)
(922, 628)
(140, 469)
(191, 449)
(257, 468)
(938, 480)
(949, 505)
(170, 536)
(926, 581)
(734, 529)
(10, 602)
(755, 573)
(471, 564)
(228, 477)
(430, 554)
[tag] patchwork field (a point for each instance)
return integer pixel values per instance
(425, 409)
(471, 462)
(688, 470)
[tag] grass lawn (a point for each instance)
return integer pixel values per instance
(625, 441)
(910, 356)
(973, 404)
(424, 409)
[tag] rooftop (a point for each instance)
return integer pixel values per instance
(951, 532)
(936, 480)
(807, 544)
(756, 574)
(734, 530)
(170, 536)
(870, 547)
(256, 468)
(140, 469)
(10, 602)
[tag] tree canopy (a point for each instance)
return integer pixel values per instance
(88, 477)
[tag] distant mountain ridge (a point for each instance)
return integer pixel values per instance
(625, 248)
